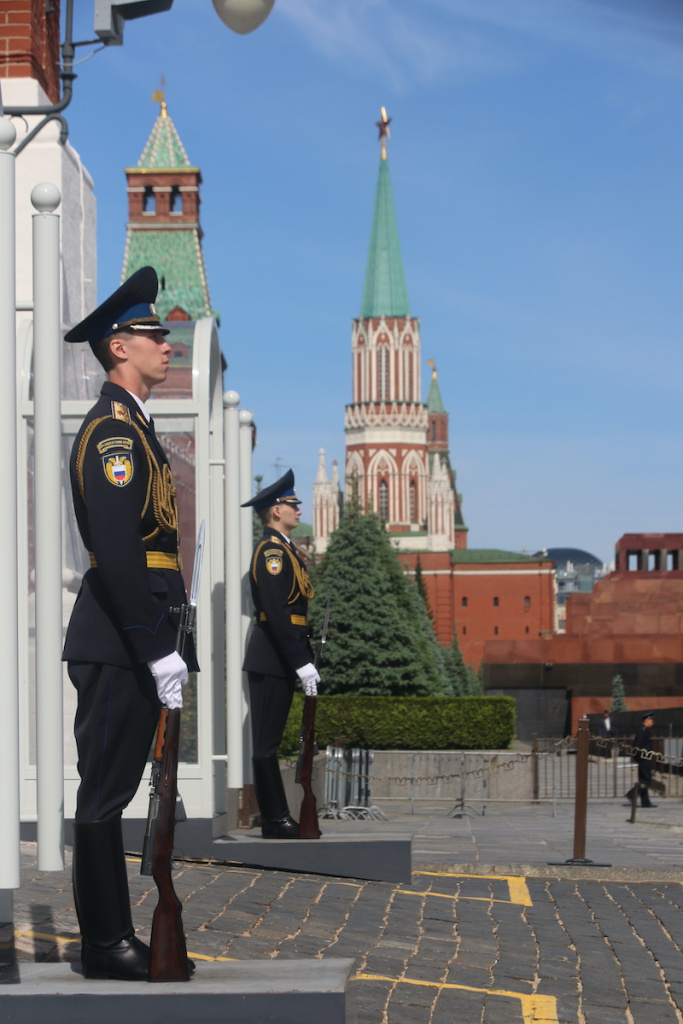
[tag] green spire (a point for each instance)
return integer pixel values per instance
(384, 292)
(164, 148)
(434, 400)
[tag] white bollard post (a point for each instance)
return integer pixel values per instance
(246, 545)
(9, 689)
(48, 528)
(233, 611)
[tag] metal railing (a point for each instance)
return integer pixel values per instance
(466, 782)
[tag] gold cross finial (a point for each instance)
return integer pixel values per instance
(384, 132)
(158, 96)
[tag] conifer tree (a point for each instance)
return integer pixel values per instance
(618, 695)
(422, 590)
(456, 669)
(375, 642)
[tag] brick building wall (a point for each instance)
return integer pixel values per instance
(29, 42)
(485, 599)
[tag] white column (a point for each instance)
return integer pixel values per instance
(9, 690)
(246, 418)
(233, 592)
(48, 528)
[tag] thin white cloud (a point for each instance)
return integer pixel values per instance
(409, 42)
(389, 37)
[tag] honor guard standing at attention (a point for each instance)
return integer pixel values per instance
(279, 651)
(120, 643)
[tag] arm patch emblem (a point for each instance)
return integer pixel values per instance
(273, 561)
(117, 460)
(118, 469)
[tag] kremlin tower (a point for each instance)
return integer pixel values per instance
(396, 446)
(398, 459)
(163, 222)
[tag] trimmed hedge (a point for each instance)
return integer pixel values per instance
(407, 723)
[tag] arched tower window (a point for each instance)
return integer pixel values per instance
(176, 200)
(412, 497)
(149, 202)
(383, 500)
(383, 372)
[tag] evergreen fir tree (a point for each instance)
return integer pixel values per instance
(375, 641)
(618, 696)
(433, 654)
(422, 590)
(456, 669)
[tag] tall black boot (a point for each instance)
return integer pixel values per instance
(109, 948)
(276, 821)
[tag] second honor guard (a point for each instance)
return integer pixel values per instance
(120, 643)
(279, 652)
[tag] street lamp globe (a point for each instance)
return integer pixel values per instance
(243, 16)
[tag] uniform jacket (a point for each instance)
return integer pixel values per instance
(281, 589)
(124, 500)
(642, 741)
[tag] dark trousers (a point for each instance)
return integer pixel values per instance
(117, 713)
(270, 698)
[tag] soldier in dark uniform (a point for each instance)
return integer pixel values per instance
(642, 741)
(120, 643)
(279, 652)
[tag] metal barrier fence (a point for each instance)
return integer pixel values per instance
(360, 782)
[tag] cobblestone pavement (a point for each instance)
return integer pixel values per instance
(448, 947)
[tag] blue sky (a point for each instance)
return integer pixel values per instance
(537, 166)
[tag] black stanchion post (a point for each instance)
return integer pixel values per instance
(581, 797)
(534, 763)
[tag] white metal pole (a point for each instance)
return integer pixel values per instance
(246, 519)
(9, 689)
(233, 611)
(48, 528)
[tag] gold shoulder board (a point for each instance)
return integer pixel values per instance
(119, 411)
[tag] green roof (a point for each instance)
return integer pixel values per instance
(179, 261)
(164, 148)
(384, 291)
(434, 400)
(302, 530)
(470, 555)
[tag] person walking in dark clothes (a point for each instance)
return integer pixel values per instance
(642, 741)
(120, 642)
(606, 732)
(279, 651)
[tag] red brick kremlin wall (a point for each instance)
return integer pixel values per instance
(510, 601)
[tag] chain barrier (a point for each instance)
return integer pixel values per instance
(507, 765)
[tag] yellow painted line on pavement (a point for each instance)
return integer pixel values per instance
(454, 896)
(517, 887)
(535, 1009)
(77, 938)
(201, 956)
(47, 935)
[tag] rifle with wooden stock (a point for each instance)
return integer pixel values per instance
(168, 952)
(308, 815)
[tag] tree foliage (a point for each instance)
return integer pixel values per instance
(377, 641)
(462, 679)
(618, 695)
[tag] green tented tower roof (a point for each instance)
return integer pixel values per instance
(164, 149)
(169, 239)
(434, 400)
(384, 291)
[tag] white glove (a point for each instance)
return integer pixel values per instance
(308, 674)
(170, 675)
